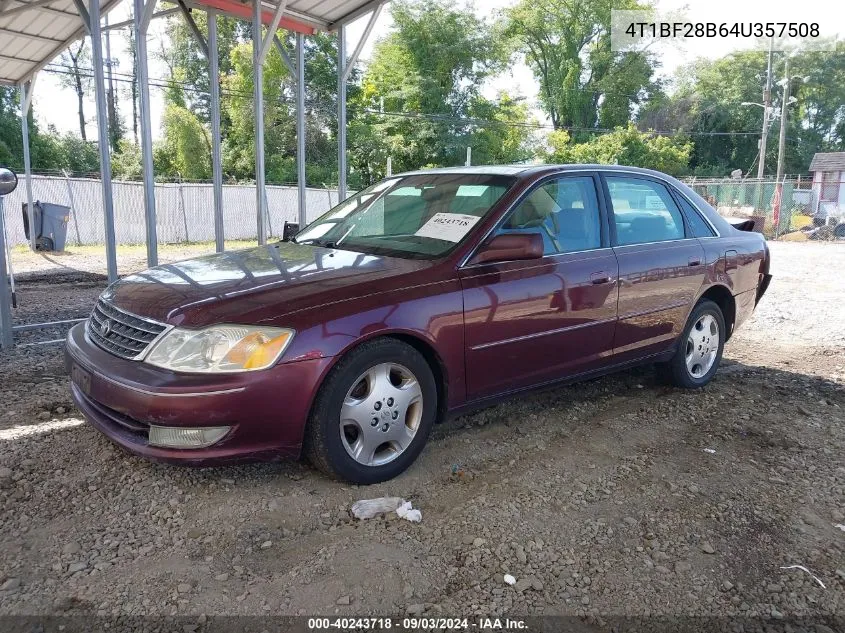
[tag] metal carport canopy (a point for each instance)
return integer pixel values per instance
(33, 32)
(301, 16)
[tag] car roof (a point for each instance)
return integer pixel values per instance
(526, 170)
(493, 170)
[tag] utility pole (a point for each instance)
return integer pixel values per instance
(778, 201)
(784, 106)
(767, 104)
(113, 130)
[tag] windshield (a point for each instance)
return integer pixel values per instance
(423, 216)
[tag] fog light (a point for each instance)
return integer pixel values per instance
(186, 437)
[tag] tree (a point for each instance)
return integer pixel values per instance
(133, 83)
(504, 135)
(707, 104)
(421, 86)
(623, 146)
(279, 123)
(186, 148)
(77, 59)
(184, 56)
(583, 84)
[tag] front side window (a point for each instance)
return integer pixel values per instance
(421, 216)
(643, 211)
(564, 212)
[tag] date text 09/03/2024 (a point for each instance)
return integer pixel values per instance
(416, 624)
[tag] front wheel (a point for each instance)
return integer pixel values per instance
(700, 347)
(373, 414)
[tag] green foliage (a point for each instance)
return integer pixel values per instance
(708, 99)
(583, 84)
(504, 135)
(426, 77)
(11, 144)
(126, 163)
(623, 146)
(186, 149)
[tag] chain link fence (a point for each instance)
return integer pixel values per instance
(184, 211)
(794, 208)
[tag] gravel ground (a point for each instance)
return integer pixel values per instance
(615, 497)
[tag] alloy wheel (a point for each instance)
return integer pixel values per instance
(381, 414)
(702, 346)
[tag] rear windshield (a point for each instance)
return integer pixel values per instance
(422, 216)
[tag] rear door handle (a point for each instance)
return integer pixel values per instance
(695, 261)
(600, 278)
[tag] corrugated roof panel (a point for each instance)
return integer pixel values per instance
(31, 38)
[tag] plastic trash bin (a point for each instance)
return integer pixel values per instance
(51, 222)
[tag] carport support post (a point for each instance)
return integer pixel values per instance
(142, 11)
(344, 69)
(300, 126)
(26, 101)
(103, 136)
(216, 160)
(258, 116)
(6, 335)
(341, 114)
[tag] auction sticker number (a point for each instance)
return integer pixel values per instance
(450, 227)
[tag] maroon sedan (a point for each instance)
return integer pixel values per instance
(425, 295)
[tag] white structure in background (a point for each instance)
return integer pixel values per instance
(829, 186)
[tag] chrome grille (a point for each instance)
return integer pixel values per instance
(121, 333)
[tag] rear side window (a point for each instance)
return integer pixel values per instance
(698, 225)
(644, 211)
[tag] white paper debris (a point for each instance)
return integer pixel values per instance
(840, 526)
(802, 568)
(510, 580)
(712, 451)
(368, 508)
(406, 511)
(450, 227)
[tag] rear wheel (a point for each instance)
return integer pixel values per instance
(373, 414)
(700, 347)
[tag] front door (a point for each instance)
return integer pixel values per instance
(661, 266)
(535, 321)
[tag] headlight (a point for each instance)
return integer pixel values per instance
(220, 348)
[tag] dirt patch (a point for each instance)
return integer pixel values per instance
(618, 496)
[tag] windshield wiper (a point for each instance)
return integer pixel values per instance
(319, 242)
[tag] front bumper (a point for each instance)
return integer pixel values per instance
(266, 409)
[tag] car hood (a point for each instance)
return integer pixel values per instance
(256, 285)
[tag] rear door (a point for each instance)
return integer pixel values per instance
(530, 322)
(661, 264)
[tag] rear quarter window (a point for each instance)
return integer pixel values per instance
(698, 225)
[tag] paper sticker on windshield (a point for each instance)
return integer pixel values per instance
(450, 227)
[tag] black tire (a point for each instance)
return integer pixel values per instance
(676, 371)
(323, 445)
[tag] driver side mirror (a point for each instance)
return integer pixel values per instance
(8, 181)
(510, 246)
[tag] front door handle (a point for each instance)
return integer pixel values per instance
(600, 278)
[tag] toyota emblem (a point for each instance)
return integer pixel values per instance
(105, 328)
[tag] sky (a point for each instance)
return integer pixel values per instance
(56, 105)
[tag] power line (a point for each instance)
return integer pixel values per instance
(316, 106)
